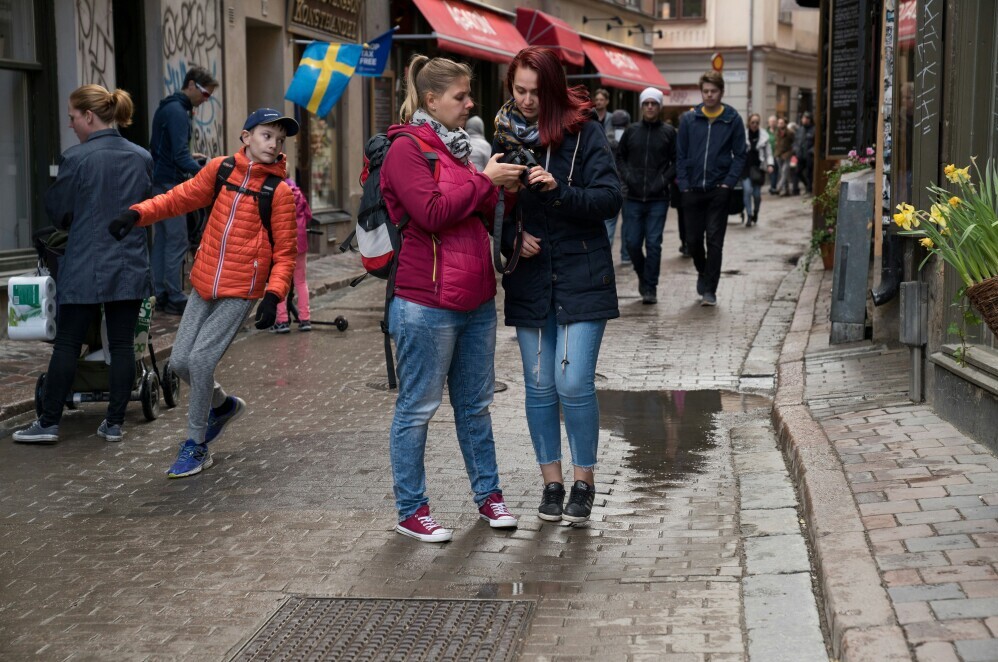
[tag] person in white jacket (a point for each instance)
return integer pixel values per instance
(481, 149)
(758, 162)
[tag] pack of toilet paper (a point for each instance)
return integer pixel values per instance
(31, 309)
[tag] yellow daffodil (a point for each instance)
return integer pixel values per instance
(906, 216)
(950, 172)
(955, 201)
(938, 215)
(956, 175)
(927, 243)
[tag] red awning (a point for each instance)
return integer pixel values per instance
(623, 69)
(542, 29)
(471, 30)
(907, 24)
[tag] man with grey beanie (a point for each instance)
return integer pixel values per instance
(647, 161)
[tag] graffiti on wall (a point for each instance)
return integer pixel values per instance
(95, 40)
(192, 36)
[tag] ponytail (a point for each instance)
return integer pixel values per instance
(412, 96)
(113, 108)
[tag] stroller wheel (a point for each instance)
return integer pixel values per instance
(341, 323)
(39, 393)
(171, 386)
(149, 396)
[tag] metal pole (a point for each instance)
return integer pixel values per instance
(751, 26)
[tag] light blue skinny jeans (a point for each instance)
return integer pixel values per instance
(433, 346)
(559, 371)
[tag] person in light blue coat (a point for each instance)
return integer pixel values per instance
(98, 179)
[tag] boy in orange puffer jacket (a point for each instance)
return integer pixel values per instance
(237, 262)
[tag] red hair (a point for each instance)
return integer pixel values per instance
(560, 107)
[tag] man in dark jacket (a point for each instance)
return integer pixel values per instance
(647, 157)
(173, 163)
(804, 150)
(710, 157)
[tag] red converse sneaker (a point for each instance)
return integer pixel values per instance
(494, 510)
(421, 526)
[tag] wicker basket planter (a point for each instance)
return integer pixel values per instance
(984, 296)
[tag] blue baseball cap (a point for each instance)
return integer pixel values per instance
(270, 116)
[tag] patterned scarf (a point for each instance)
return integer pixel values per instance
(456, 141)
(513, 129)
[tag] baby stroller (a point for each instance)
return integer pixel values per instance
(92, 381)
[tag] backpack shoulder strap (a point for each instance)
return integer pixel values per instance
(265, 200)
(225, 169)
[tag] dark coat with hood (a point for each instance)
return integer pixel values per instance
(709, 154)
(573, 273)
(647, 158)
(170, 141)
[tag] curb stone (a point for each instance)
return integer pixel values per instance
(861, 621)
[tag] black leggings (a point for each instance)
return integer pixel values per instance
(74, 322)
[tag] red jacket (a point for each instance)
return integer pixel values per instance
(446, 257)
(235, 259)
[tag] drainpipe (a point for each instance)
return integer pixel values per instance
(751, 26)
(890, 270)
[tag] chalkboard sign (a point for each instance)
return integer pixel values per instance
(383, 111)
(844, 77)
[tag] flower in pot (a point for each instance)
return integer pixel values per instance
(962, 230)
(827, 203)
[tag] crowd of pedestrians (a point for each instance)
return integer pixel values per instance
(561, 169)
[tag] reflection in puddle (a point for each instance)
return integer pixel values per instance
(669, 431)
(514, 589)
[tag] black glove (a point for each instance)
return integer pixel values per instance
(266, 312)
(123, 224)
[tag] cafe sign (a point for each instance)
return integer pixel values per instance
(336, 20)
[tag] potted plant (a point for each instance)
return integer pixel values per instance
(963, 231)
(827, 203)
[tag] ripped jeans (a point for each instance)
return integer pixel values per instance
(559, 368)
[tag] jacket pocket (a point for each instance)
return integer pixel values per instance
(585, 264)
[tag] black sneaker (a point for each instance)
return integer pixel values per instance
(649, 297)
(701, 284)
(551, 500)
(580, 502)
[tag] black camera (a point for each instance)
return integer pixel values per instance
(524, 157)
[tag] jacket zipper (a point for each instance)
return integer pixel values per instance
(644, 172)
(225, 233)
(256, 264)
(436, 242)
(706, 151)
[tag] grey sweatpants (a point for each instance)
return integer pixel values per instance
(206, 331)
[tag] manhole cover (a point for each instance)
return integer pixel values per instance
(379, 629)
(383, 386)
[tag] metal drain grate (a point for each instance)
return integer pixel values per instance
(380, 629)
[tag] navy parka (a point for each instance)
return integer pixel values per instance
(574, 270)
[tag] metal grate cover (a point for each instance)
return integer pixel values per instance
(382, 629)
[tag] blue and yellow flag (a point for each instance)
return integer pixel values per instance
(322, 75)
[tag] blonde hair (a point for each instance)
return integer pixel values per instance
(111, 107)
(429, 75)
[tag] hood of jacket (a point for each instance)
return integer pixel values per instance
(178, 97)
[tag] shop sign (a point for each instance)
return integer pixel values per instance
(325, 19)
(683, 97)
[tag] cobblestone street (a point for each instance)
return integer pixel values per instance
(695, 550)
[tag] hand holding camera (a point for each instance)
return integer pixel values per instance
(529, 178)
(504, 173)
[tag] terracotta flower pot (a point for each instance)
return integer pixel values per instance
(984, 296)
(827, 251)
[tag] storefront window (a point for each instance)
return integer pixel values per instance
(17, 34)
(15, 221)
(680, 9)
(324, 165)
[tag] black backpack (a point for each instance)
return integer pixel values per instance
(264, 198)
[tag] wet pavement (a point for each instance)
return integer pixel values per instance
(693, 552)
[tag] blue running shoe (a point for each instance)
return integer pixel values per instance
(234, 408)
(191, 459)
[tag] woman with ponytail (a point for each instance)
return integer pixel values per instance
(442, 316)
(98, 179)
(561, 292)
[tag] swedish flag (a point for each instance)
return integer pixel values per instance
(322, 75)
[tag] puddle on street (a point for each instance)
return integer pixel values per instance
(669, 431)
(515, 589)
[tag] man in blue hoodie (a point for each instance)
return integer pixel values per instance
(173, 163)
(710, 157)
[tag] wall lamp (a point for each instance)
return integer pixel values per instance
(618, 20)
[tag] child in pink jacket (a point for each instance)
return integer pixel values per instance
(303, 216)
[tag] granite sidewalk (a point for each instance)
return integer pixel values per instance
(901, 507)
(21, 362)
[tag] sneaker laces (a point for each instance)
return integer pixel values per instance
(499, 509)
(428, 522)
(580, 497)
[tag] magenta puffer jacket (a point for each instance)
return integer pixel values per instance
(303, 215)
(446, 257)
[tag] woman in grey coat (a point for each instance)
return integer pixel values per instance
(98, 179)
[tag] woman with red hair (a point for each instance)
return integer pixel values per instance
(560, 288)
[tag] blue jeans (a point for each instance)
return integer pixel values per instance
(751, 192)
(434, 345)
(643, 229)
(169, 247)
(559, 368)
(611, 229)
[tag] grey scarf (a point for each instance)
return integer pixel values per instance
(457, 141)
